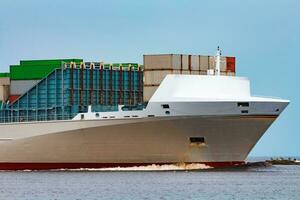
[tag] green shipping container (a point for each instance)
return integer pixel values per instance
(36, 69)
(3, 75)
(55, 62)
(30, 73)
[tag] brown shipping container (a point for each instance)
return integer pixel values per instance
(195, 63)
(4, 81)
(227, 73)
(195, 72)
(148, 92)
(155, 77)
(165, 61)
(177, 71)
(157, 62)
(212, 63)
(186, 72)
(202, 72)
(185, 62)
(176, 61)
(223, 64)
(204, 63)
(4, 92)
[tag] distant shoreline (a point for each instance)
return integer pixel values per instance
(265, 158)
(254, 162)
(284, 161)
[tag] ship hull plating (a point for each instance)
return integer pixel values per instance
(113, 142)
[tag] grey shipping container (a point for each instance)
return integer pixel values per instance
(195, 63)
(19, 87)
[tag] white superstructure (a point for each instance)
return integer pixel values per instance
(194, 95)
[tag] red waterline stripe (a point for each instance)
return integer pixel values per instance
(259, 116)
(49, 166)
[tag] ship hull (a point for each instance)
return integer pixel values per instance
(133, 142)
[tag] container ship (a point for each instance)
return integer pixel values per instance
(70, 114)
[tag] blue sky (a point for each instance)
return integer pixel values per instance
(263, 35)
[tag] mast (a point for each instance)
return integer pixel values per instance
(218, 61)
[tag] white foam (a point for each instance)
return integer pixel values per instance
(153, 167)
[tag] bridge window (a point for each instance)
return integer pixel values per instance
(165, 106)
(243, 104)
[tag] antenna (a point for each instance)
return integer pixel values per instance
(218, 61)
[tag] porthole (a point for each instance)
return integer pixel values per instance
(197, 140)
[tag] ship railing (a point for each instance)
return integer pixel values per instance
(35, 119)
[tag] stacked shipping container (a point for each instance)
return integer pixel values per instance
(30, 72)
(71, 89)
(4, 87)
(59, 89)
(156, 67)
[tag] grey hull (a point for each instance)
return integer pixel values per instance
(154, 140)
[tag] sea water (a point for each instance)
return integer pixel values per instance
(273, 182)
